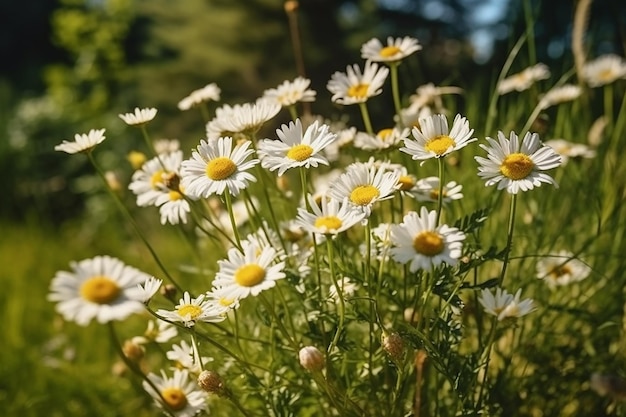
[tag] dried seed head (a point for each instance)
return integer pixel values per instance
(393, 344)
(311, 358)
(212, 383)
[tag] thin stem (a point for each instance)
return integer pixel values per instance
(339, 289)
(366, 118)
(231, 216)
(441, 170)
(608, 105)
(509, 238)
(492, 335)
(393, 66)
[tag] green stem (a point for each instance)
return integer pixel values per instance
(293, 112)
(489, 346)
(608, 105)
(441, 170)
(366, 118)
(231, 215)
(509, 238)
(339, 288)
(393, 66)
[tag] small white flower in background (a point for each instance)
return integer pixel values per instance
(185, 356)
(514, 166)
(395, 50)
(558, 95)
(356, 86)
(411, 116)
(149, 288)
(329, 217)
(429, 95)
(434, 140)
(295, 148)
(604, 70)
(210, 92)
(82, 142)
(151, 181)
(424, 245)
(384, 139)
(241, 119)
(504, 305)
(215, 166)
(158, 331)
(561, 269)
(291, 92)
(139, 117)
(427, 190)
(166, 145)
(191, 310)
(569, 150)
(347, 287)
(524, 80)
(101, 288)
(180, 393)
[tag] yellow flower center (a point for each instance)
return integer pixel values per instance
(364, 194)
(100, 290)
(358, 91)
(329, 222)
(606, 75)
(406, 182)
(220, 168)
(560, 271)
(516, 166)
(299, 152)
(174, 398)
(389, 51)
(189, 309)
(136, 159)
(428, 243)
(434, 194)
(175, 195)
(225, 302)
(157, 179)
(439, 144)
(249, 275)
(385, 134)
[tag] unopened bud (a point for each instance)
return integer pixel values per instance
(136, 159)
(291, 6)
(212, 383)
(311, 358)
(133, 351)
(393, 344)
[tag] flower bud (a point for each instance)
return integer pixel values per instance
(136, 159)
(311, 358)
(393, 344)
(133, 351)
(212, 383)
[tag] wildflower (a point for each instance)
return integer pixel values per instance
(395, 50)
(241, 120)
(516, 167)
(291, 92)
(136, 159)
(177, 394)
(216, 166)
(158, 331)
(569, 150)
(149, 288)
(427, 190)
(311, 358)
(384, 139)
(603, 70)
(355, 86)
(185, 356)
(191, 310)
(504, 305)
(330, 217)
(139, 117)
(559, 95)
(425, 245)
(295, 149)
(166, 146)
(152, 180)
(133, 351)
(434, 140)
(524, 80)
(82, 142)
(101, 288)
(347, 287)
(210, 92)
(561, 269)
(430, 95)
(173, 207)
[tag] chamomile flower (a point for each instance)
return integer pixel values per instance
(215, 166)
(524, 80)
(330, 217)
(384, 139)
(248, 273)
(139, 117)
(561, 269)
(291, 92)
(186, 357)
(210, 92)
(155, 178)
(158, 331)
(356, 86)
(419, 241)
(395, 50)
(429, 95)
(179, 394)
(149, 288)
(558, 95)
(241, 120)
(191, 310)
(571, 150)
(514, 166)
(603, 70)
(84, 142)
(101, 288)
(295, 148)
(434, 140)
(173, 207)
(427, 190)
(504, 305)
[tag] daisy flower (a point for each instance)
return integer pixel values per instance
(557, 95)
(524, 80)
(395, 50)
(425, 245)
(216, 166)
(149, 288)
(355, 86)
(82, 142)
(384, 139)
(504, 305)
(427, 190)
(101, 288)
(173, 207)
(154, 178)
(569, 150)
(166, 146)
(186, 357)
(516, 167)
(248, 273)
(210, 92)
(430, 95)
(604, 70)
(295, 149)
(179, 395)
(191, 310)
(291, 92)
(330, 217)
(411, 116)
(139, 117)
(562, 269)
(434, 140)
(241, 119)
(363, 186)
(158, 331)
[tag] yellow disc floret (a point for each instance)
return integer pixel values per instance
(300, 152)
(358, 91)
(330, 223)
(220, 168)
(191, 310)
(364, 194)
(100, 290)
(439, 144)
(517, 166)
(428, 243)
(389, 51)
(174, 398)
(249, 275)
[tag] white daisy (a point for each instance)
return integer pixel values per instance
(216, 166)
(241, 119)
(179, 395)
(425, 245)
(557, 95)
(166, 146)
(82, 142)
(411, 116)
(155, 178)
(569, 149)
(524, 80)
(186, 357)
(355, 86)
(191, 310)
(604, 70)
(384, 139)
(210, 92)
(149, 288)
(139, 117)
(562, 268)
(516, 167)
(291, 92)
(348, 288)
(173, 207)
(427, 190)
(101, 288)
(395, 50)
(430, 95)
(434, 140)
(330, 217)
(504, 305)
(158, 331)
(295, 149)
(363, 186)
(248, 273)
